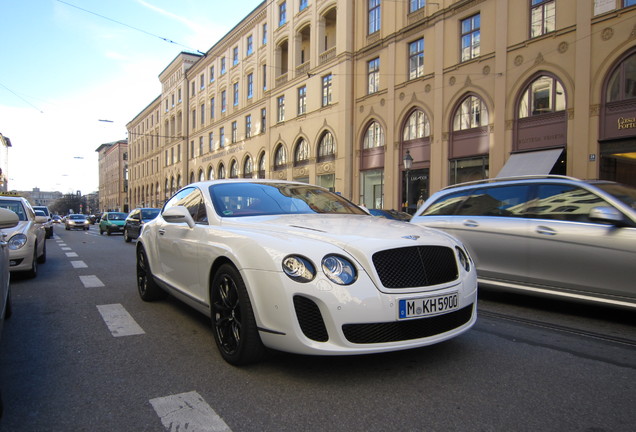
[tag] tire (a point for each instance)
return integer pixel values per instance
(33, 272)
(67, 228)
(127, 238)
(8, 309)
(101, 231)
(146, 285)
(233, 322)
(42, 258)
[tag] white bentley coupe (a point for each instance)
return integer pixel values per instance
(296, 268)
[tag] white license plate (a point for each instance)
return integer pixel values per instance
(425, 306)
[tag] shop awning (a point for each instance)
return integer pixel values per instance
(530, 163)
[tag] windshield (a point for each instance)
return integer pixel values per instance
(77, 217)
(624, 193)
(255, 199)
(147, 214)
(15, 207)
(117, 216)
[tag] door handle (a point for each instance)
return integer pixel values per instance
(546, 231)
(162, 231)
(471, 223)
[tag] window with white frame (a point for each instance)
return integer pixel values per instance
(202, 114)
(235, 88)
(235, 56)
(250, 85)
(211, 141)
(249, 48)
(280, 157)
(280, 108)
(326, 147)
(223, 69)
(248, 126)
(374, 75)
(202, 79)
(264, 38)
(212, 108)
(301, 154)
(542, 17)
(417, 126)
(416, 59)
(415, 5)
(326, 89)
(234, 132)
(248, 167)
(303, 5)
(282, 14)
(375, 16)
(544, 95)
(221, 137)
(211, 74)
(471, 113)
(223, 101)
(302, 100)
(374, 136)
(470, 37)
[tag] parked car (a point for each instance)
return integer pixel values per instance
(8, 219)
(296, 268)
(545, 235)
(391, 214)
(112, 222)
(48, 226)
(76, 221)
(136, 220)
(27, 240)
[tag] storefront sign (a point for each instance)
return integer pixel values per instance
(626, 123)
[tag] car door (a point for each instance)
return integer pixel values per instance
(569, 252)
(178, 246)
(133, 223)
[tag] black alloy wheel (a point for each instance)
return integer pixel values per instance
(233, 321)
(146, 285)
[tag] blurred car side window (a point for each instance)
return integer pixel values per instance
(446, 205)
(564, 202)
(504, 201)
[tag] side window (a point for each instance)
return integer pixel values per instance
(446, 205)
(504, 201)
(176, 198)
(191, 199)
(563, 202)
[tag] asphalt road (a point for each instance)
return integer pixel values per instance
(82, 352)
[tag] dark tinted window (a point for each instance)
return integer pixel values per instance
(191, 199)
(446, 205)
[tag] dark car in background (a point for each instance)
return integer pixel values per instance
(136, 220)
(48, 226)
(544, 235)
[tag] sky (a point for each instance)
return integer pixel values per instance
(75, 72)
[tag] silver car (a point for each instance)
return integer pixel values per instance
(546, 235)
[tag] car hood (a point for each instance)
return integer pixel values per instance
(349, 232)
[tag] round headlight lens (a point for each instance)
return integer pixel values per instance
(17, 241)
(339, 270)
(299, 268)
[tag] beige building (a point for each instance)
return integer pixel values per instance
(338, 93)
(113, 176)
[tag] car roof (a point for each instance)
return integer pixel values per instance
(498, 180)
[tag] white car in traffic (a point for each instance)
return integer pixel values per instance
(296, 268)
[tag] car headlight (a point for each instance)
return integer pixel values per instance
(17, 241)
(299, 268)
(339, 270)
(464, 259)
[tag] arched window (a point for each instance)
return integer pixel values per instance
(622, 83)
(301, 154)
(471, 113)
(374, 136)
(261, 166)
(544, 95)
(210, 173)
(191, 177)
(221, 171)
(234, 170)
(179, 181)
(326, 147)
(280, 157)
(417, 126)
(248, 167)
(201, 175)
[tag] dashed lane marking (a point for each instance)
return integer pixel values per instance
(119, 321)
(78, 264)
(72, 254)
(188, 411)
(66, 248)
(91, 281)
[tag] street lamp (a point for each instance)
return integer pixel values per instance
(408, 163)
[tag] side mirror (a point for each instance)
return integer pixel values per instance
(8, 219)
(178, 214)
(608, 215)
(41, 219)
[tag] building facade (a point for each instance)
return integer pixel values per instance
(340, 93)
(113, 176)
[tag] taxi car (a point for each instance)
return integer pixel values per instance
(550, 236)
(297, 268)
(27, 240)
(112, 222)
